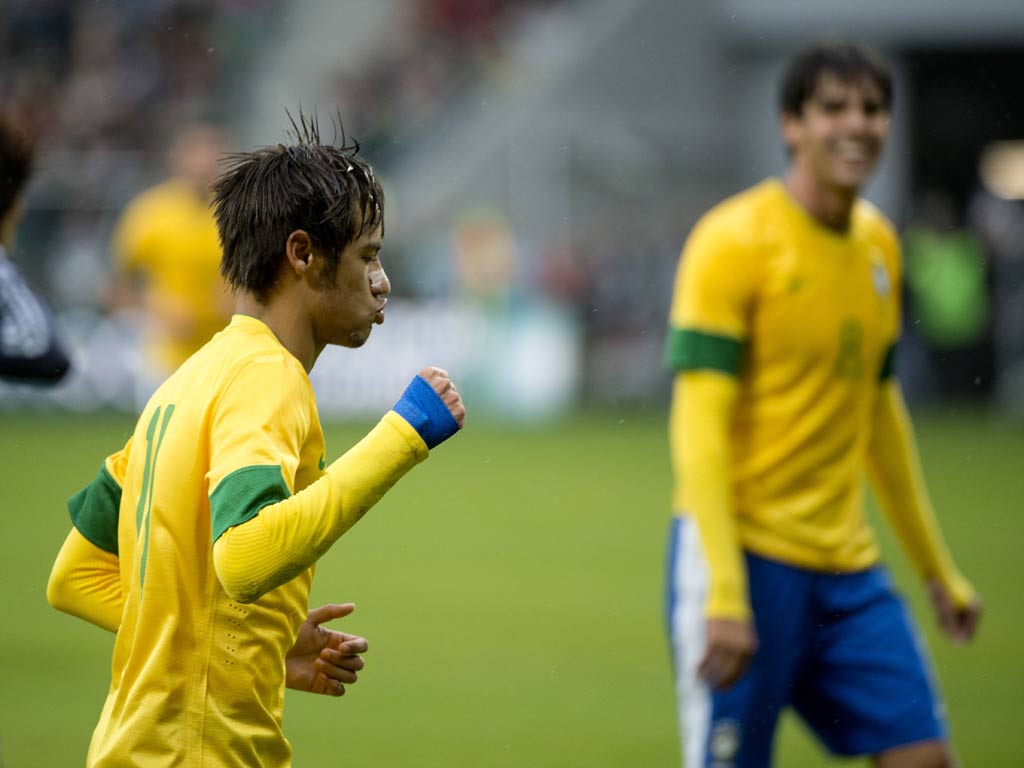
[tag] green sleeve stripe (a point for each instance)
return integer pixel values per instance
(689, 350)
(241, 495)
(888, 363)
(94, 511)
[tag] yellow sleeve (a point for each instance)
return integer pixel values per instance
(86, 582)
(286, 538)
(717, 278)
(896, 475)
(702, 405)
(710, 320)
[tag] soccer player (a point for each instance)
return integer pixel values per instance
(166, 257)
(30, 350)
(782, 328)
(196, 543)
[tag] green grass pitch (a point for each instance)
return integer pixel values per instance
(511, 590)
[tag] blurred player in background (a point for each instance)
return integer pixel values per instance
(30, 350)
(166, 257)
(196, 542)
(785, 315)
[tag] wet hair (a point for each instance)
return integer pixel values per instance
(848, 63)
(16, 161)
(263, 196)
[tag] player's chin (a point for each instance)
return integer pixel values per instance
(853, 176)
(356, 339)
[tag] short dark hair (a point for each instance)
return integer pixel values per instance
(16, 161)
(265, 195)
(849, 63)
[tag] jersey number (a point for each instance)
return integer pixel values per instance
(144, 507)
(850, 360)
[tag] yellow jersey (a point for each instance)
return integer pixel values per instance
(198, 678)
(169, 236)
(807, 319)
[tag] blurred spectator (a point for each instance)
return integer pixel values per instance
(96, 85)
(998, 216)
(947, 284)
(167, 256)
(99, 87)
(447, 48)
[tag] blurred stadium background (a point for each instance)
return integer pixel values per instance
(543, 161)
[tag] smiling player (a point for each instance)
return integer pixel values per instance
(785, 315)
(196, 542)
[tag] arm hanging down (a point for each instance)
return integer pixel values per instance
(896, 475)
(702, 406)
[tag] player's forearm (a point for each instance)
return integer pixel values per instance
(898, 480)
(286, 538)
(702, 407)
(86, 582)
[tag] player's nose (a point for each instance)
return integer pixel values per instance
(380, 285)
(857, 119)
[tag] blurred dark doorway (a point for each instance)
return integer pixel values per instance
(959, 102)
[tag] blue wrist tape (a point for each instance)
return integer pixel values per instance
(426, 412)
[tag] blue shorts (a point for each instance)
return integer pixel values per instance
(840, 649)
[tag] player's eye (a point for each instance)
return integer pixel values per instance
(872, 108)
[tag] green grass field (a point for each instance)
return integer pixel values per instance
(511, 590)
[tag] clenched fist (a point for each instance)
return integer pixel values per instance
(441, 383)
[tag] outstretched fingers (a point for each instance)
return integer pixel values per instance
(329, 612)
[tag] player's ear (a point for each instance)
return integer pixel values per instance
(789, 129)
(299, 251)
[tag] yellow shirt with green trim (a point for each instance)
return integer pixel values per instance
(807, 319)
(198, 679)
(170, 236)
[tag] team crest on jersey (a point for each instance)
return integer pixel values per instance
(880, 278)
(724, 743)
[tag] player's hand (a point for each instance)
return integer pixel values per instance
(730, 645)
(959, 623)
(441, 382)
(322, 660)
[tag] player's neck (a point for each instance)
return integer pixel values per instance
(291, 328)
(831, 206)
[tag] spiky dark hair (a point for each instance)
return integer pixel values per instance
(849, 63)
(265, 195)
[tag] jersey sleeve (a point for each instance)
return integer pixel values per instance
(264, 534)
(898, 480)
(702, 404)
(95, 509)
(259, 426)
(85, 582)
(289, 536)
(708, 326)
(30, 347)
(714, 290)
(86, 577)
